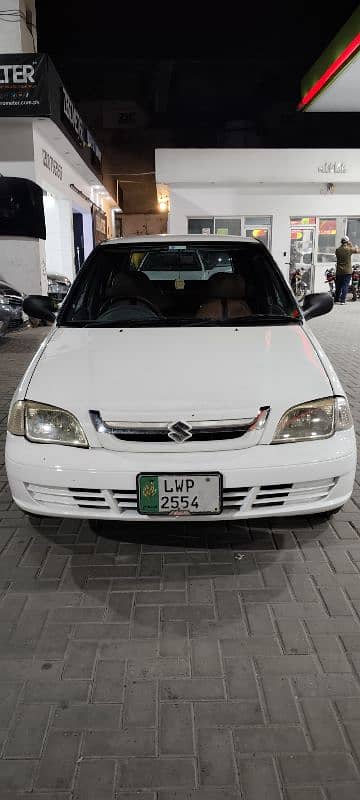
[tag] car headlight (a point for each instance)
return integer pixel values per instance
(4, 301)
(45, 424)
(317, 419)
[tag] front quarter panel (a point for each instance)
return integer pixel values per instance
(20, 392)
(328, 367)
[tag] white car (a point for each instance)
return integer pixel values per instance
(197, 399)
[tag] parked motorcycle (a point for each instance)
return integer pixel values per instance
(297, 283)
(355, 282)
(354, 286)
(330, 275)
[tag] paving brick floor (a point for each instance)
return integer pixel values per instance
(181, 663)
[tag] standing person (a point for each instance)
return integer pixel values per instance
(343, 269)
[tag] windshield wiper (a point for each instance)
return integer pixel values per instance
(125, 323)
(253, 319)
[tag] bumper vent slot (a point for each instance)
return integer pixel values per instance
(78, 498)
(125, 499)
(234, 498)
(293, 494)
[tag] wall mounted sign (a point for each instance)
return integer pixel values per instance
(51, 164)
(23, 85)
(31, 87)
(71, 118)
(332, 168)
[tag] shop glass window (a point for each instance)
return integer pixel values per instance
(228, 227)
(301, 247)
(353, 231)
(326, 241)
(197, 225)
(257, 222)
(302, 220)
(259, 228)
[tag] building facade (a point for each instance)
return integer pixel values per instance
(44, 139)
(298, 202)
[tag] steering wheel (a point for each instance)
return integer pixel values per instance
(132, 299)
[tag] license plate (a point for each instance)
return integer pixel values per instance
(179, 494)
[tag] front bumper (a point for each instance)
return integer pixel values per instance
(262, 481)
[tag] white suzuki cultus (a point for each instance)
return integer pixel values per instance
(180, 380)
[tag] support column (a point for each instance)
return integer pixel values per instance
(281, 241)
(18, 32)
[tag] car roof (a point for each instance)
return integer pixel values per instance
(57, 275)
(163, 238)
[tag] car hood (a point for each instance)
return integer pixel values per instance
(179, 373)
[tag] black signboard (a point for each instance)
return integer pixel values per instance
(23, 85)
(31, 87)
(71, 119)
(21, 208)
(64, 112)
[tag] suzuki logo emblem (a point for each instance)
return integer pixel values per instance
(179, 431)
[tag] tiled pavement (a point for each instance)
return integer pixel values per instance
(181, 663)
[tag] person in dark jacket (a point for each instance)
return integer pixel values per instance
(343, 269)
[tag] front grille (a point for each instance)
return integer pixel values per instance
(198, 434)
(178, 431)
(15, 323)
(14, 300)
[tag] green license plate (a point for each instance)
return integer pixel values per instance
(179, 494)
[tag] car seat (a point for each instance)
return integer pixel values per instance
(225, 298)
(135, 284)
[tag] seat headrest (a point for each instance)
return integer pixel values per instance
(225, 286)
(127, 284)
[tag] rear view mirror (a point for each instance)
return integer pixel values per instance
(39, 306)
(315, 305)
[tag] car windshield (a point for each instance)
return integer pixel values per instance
(5, 288)
(178, 284)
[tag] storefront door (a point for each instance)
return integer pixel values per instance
(301, 268)
(78, 240)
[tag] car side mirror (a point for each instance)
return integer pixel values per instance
(315, 305)
(39, 306)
